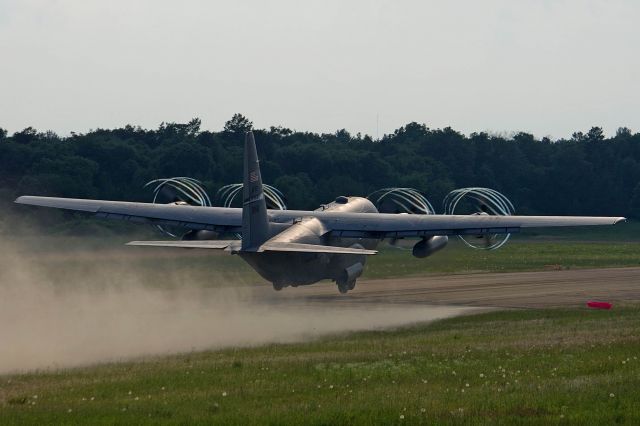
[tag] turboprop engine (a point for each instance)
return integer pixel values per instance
(200, 235)
(427, 246)
(186, 191)
(479, 201)
(181, 191)
(400, 201)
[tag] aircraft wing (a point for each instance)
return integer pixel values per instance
(407, 225)
(365, 225)
(190, 217)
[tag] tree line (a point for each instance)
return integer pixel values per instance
(588, 174)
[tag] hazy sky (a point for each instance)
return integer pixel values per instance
(546, 67)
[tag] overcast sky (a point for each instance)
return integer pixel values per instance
(545, 67)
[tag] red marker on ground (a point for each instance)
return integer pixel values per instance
(599, 305)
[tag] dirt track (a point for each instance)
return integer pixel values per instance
(516, 290)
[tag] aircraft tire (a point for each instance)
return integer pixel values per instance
(344, 287)
(277, 286)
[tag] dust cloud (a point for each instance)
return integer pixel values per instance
(111, 313)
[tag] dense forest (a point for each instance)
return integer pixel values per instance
(588, 174)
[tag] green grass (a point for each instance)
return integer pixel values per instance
(518, 255)
(518, 367)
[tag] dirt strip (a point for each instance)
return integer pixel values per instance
(512, 290)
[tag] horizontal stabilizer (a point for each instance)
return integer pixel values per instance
(207, 244)
(234, 245)
(312, 248)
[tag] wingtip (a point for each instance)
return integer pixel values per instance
(620, 220)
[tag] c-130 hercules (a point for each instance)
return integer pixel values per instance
(295, 247)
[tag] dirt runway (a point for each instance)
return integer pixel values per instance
(507, 290)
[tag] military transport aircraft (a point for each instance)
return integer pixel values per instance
(294, 247)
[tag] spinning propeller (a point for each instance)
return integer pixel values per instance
(400, 201)
(180, 191)
(480, 201)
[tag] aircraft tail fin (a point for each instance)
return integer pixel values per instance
(255, 223)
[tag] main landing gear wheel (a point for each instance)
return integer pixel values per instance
(277, 286)
(344, 287)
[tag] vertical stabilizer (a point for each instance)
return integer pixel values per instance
(255, 223)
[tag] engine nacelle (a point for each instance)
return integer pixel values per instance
(427, 246)
(201, 235)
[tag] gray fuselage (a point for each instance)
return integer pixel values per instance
(294, 269)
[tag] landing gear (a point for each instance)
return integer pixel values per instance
(278, 286)
(346, 279)
(345, 286)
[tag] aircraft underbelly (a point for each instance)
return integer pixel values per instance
(289, 268)
(294, 268)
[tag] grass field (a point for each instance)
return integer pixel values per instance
(519, 255)
(516, 367)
